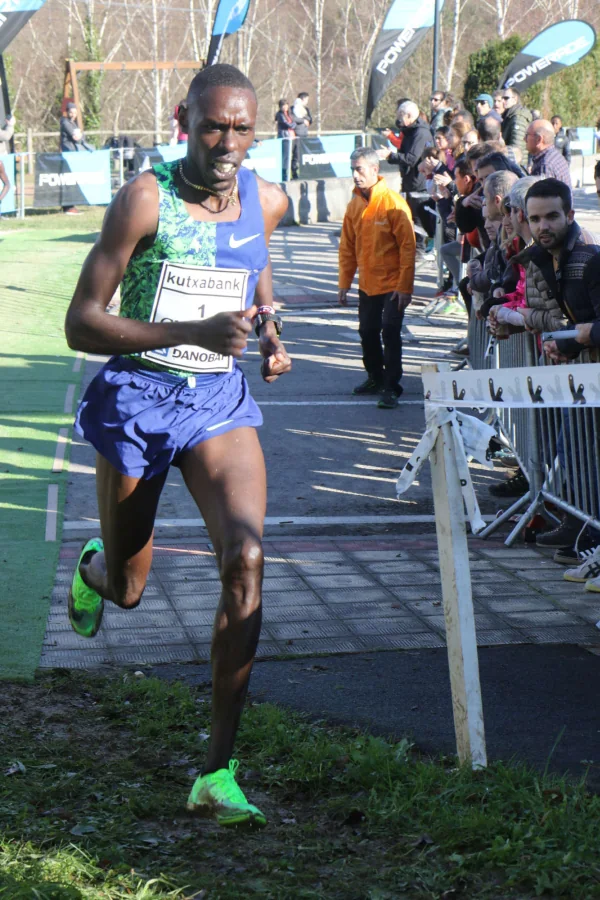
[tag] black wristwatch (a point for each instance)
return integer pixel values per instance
(267, 317)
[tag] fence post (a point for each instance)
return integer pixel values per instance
(21, 186)
(29, 150)
(457, 596)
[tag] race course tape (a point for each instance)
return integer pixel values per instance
(536, 388)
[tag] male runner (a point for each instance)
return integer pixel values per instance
(187, 241)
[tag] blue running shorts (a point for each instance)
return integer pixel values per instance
(142, 420)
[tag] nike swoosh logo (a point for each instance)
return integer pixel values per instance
(234, 244)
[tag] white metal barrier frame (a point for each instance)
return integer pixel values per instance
(539, 389)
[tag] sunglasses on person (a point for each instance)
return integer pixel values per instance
(506, 204)
(507, 98)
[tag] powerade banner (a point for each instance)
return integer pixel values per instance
(554, 49)
(265, 159)
(405, 26)
(14, 14)
(72, 179)
(8, 203)
(325, 157)
(231, 15)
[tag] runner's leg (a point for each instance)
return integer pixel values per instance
(227, 479)
(127, 511)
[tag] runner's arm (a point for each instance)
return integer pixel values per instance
(131, 219)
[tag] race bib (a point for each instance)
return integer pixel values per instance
(190, 293)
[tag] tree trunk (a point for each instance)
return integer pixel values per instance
(454, 46)
(156, 76)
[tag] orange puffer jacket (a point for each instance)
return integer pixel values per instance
(378, 239)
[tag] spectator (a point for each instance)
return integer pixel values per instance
(416, 136)
(470, 139)
(497, 185)
(562, 141)
(489, 129)
(465, 180)
(301, 115)
(395, 139)
(4, 181)
(499, 103)
(6, 133)
(444, 141)
(485, 107)
(378, 240)
(597, 178)
(515, 120)
(495, 162)
(178, 136)
(72, 138)
(546, 159)
(285, 130)
(438, 107)
(569, 258)
(463, 115)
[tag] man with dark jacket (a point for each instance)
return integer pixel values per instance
(569, 262)
(301, 115)
(416, 136)
(562, 141)
(515, 120)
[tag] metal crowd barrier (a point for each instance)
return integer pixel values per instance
(558, 449)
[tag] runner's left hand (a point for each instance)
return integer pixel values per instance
(276, 362)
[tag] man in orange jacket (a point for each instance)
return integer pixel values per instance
(378, 239)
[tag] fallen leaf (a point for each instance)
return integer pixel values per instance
(288, 821)
(424, 839)
(203, 736)
(17, 768)
(149, 839)
(82, 829)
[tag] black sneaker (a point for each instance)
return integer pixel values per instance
(564, 535)
(569, 556)
(512, 487)
(389, 400)
(369, 386)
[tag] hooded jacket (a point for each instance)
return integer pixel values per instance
(415, 138)
(378, 239)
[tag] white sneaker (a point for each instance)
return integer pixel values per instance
(593, 585)
(587, 570)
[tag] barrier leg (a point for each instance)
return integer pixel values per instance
(458, 602)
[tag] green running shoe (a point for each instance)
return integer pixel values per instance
(218, 795)
(85, 604)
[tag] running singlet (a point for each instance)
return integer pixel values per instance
(194, 270)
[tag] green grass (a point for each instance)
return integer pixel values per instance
(97, 811)
(40, 260)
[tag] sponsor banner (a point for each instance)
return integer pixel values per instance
(72, 179)
(8, 204)
(325, 157)
(523, 388)
(552, 50)
(405, 26)
(230, 16)
(146, 157)
(583, 140)
(14, 14)
(266, 159)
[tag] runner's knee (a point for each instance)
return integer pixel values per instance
(242, 566)
(127, 590)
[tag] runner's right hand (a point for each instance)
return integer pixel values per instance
(225, 333)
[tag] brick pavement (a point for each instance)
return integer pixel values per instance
(328, 596)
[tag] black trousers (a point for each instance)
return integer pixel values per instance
(379, 317)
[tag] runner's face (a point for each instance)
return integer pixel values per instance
(221, 130)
